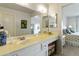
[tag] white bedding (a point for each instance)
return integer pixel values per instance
(72, 39)
(76, 33)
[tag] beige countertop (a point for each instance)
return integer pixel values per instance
(17, 44)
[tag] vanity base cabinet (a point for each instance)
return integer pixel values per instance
(43, 53)
(30, 51)
(38, 49)
(34, 50)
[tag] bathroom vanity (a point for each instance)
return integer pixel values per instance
(35, 45)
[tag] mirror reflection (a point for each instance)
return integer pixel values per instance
(19, 22)
(49, 21)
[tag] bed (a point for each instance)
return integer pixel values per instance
(72, 39)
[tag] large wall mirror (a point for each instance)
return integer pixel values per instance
(49, 21)
(18, 23)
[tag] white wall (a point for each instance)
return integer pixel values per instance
(72, 21)
(70, 10)
(56, 9)
(18, 16)
(36, 19)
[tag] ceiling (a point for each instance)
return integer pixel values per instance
(30, 8)
(18, 7)
(65, 4)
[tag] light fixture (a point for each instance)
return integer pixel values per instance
(70, 26)
(23, 4)
(41, 8)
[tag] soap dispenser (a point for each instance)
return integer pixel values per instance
(3, 36)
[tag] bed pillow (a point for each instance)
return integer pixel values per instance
(64, 31)
(72, 31)
(68, 31)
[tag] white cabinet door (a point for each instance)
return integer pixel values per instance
(39, 49)
(30, 51)
(11, 54)
(43, 53)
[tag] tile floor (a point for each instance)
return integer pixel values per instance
(70, 51)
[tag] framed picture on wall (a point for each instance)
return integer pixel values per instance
(23, 24)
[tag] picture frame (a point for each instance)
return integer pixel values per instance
(23, 24)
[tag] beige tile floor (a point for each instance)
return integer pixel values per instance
(70, 51)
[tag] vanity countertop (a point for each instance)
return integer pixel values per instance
(19, 44)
